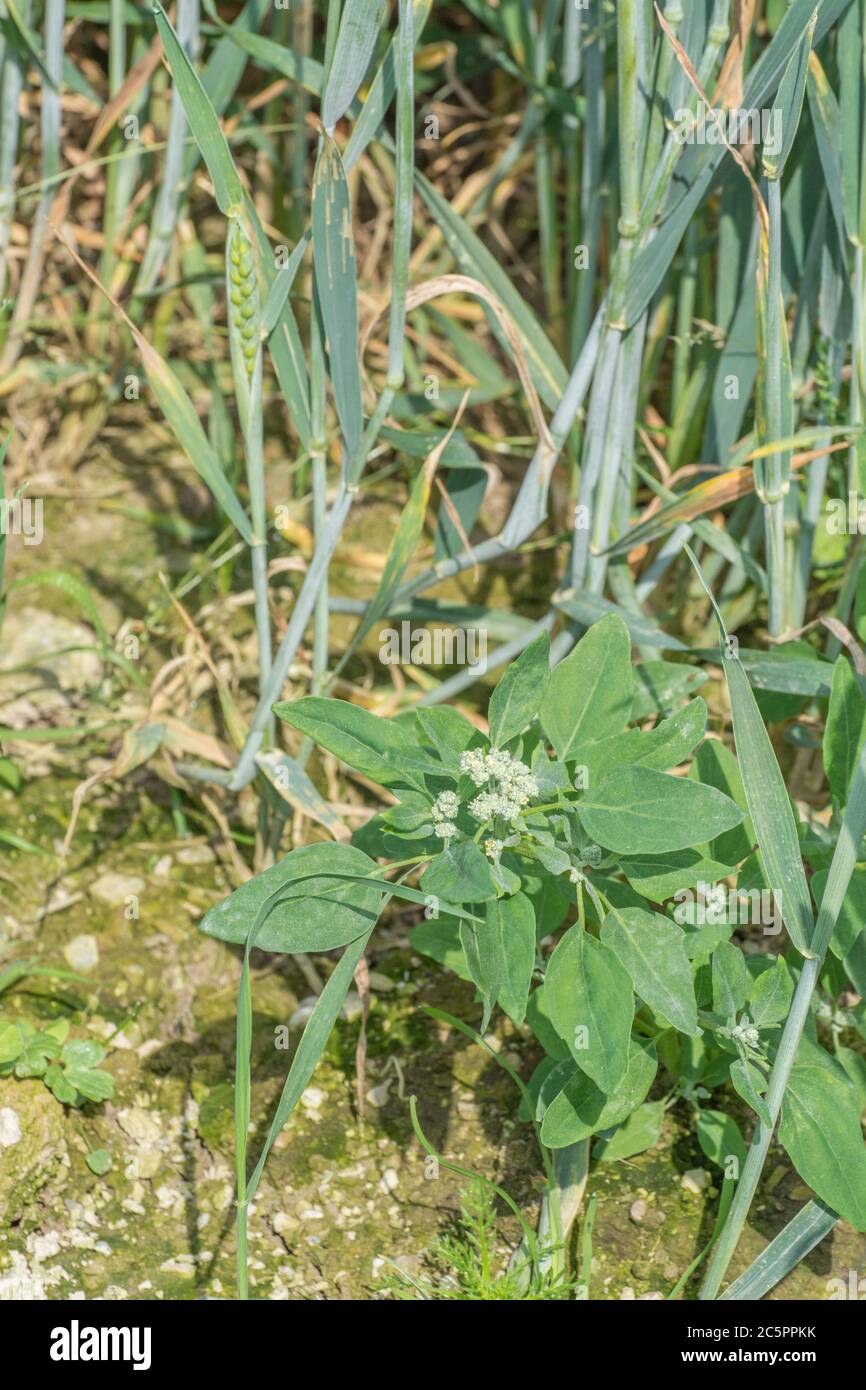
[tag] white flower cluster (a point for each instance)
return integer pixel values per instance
(513, 784)
(474, 764)
(746, 1032)
(493, 849)
(445, 808)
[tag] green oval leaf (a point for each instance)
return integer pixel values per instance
(652, 949)
(590, 693)
(317, 910)
(820, 1131)
(589, 998)
(380, 748)
(731, 980)
(582, 1109)
(501, 955)
(720, 1138)
(638, 810)
(460, 874)
(845, 729)
(518, 696)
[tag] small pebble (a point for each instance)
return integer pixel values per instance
(302, 1013)
(696, 1180)
(352, 1007)
(113, 888)
(82, 952)
(10, 1127)
(377, 1096)
(195, 854)
(44, 1247)
(382, 984)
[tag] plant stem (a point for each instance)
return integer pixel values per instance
(114, 171)
(813, 505)
(166, 211)
(601, 456)
(405, 156)
(302, 32)
(241, 1237)
(673, 12)
(685, 314)
(49, 125)
(776, 473)
(549, 241)
(11, 81)
(616, 477)
(562, 1203)
(593, 191)
(320, 510)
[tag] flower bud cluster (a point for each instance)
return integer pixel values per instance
(508, 784)
(746, 1032)
(445, 808)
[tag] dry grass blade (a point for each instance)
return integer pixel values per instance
(465, 284)
(708, 496)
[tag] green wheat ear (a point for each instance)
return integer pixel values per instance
(244, 306)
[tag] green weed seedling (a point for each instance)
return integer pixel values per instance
(71, 1069)
(465, 1267)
